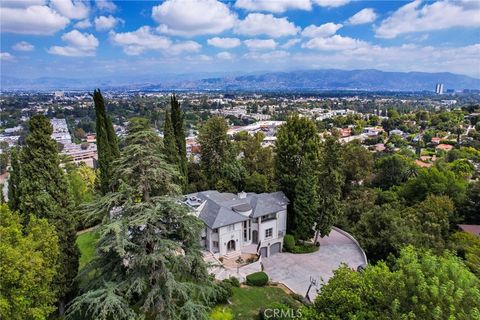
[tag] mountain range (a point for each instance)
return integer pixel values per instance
(302, 80)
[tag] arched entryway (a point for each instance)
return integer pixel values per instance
(254, 236)
(231, 245)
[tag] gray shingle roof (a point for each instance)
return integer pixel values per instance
(219, 208)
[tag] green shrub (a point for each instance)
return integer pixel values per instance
(305, 248)
(258, 279)
(288, 242)
(290, 245)
(233, 282)
(221, 313)
(299, 298)
(224, 291)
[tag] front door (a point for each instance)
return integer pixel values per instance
(254, 236)
(231, 245)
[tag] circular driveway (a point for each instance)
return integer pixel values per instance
(295, 270)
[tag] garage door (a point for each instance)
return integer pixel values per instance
(275, 248)
(264, 252)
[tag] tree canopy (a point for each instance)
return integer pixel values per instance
(107, 143)
(419, 285)
(28, 265)
(148, 260)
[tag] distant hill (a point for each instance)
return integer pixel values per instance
(304, 80)
(330, 79)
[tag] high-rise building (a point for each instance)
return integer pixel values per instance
(439, 88)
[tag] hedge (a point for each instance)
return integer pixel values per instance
(288, 242)
(290, 245)
(258, 279)
(305, 248)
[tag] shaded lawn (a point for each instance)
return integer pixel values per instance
(247, 301)
(86, 244)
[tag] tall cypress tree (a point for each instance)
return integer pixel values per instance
(331, 181)
(179, 132)
(169, 143)
(107, 143)
(43, 192)
(297, 141)
(14, 181)
(306, 203)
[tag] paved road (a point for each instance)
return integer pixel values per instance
(295, 270)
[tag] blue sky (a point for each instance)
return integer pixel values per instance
(135, 39)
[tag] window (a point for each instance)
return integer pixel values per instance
(215, 231)
(215, 244)
(268, 217)
(255, 220)
(245, 235)
(268, 233)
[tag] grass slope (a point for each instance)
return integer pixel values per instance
(246, 301)
(86, 244)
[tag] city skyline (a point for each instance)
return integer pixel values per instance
(87, 39)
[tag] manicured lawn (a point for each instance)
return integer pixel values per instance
(86, 244)
(247, 301)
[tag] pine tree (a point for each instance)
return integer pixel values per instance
(179, 132)
(169, 143)
(148, 262)
(14, 181)
(107, 143)
(43, 192)
(331, 181)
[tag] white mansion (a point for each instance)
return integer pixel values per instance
(247, 222)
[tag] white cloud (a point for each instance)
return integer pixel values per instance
(334, 43)
(366, 15)
(325, 30)
(408, 57)
(290, 43)
(21, 4)
(257, 44)
(78, 45)
(106, 5)
(185, 46)
(278, 55)
(141, 40)
(224, 55)
(224, 43)
(189, 18)
(257, 24)
(5, 56)
(136, 42)
(23, 46)
(36, 20)
(72, 9)
(83, 24)
(439, 15)
(331, 3)
(104, 23)
(277, 6)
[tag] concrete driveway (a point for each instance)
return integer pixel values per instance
(295, 270)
